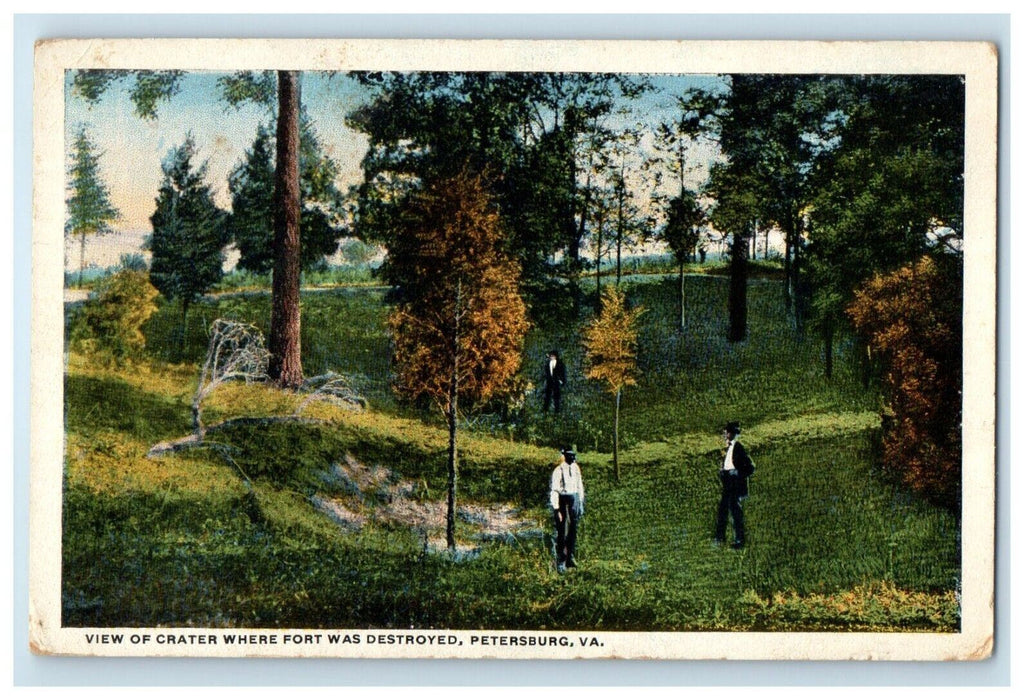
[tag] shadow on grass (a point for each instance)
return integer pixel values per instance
(93, 403)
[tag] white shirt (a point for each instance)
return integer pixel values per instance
(551, 366)
(728, 461)
(567, 481)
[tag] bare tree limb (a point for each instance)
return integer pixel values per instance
(236, 352)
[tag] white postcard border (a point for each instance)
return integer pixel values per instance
(976, 60)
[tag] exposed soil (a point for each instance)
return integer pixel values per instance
(362, 494)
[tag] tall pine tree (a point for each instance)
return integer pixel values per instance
(281, 90)
(189, 232)
(89, 206)
(251, 186)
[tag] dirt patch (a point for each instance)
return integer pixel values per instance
(341, 515)
(359, 494)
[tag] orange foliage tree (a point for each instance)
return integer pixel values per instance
(611, 344)
(459, 325)
(913, 321)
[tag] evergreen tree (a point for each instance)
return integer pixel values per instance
(89, 207)
(251, 186)
(188, 232)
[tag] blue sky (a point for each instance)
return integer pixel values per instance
(133, 148)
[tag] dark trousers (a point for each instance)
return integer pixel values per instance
(552, 392)
(730, 504)
(565, 542)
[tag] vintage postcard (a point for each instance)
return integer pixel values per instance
(514, 349)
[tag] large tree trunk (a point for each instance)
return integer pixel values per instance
(597, 256)
(452, 423)
(452, 468)
(788, 251)
(619, 257)
(798, 303)
(619, 241)
(738, 302)
(865, 366)
(285, 331)
(581, 231)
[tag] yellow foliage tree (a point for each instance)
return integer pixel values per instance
(611, 344)
(109, 323)
(458, 329)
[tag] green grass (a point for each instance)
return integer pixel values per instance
(664, 264)
(342, 330)
(695, 381)
(188, 540)
(335, 276)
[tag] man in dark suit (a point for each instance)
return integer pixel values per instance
(554, 380)
(733, 475)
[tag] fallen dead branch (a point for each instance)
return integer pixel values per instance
(236, 352)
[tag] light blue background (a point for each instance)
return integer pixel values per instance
(51, 671)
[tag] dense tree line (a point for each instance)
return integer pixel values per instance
(864, 177)
(536, 137)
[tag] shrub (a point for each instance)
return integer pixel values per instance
(913, 321)
(109, 322)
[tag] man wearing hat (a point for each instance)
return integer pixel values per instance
(733, 474)
(567, 504)
(554, 379)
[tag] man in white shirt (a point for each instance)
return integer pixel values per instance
(734, 472)
(567, 504)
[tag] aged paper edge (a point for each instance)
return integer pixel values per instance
(977, 61)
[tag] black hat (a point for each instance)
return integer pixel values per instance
(569, 451)
(553, 352)
(733, 427)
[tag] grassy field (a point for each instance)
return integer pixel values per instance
(189, 539)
